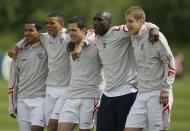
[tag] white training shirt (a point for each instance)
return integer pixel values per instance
(58, 59)
(116, 53)
(86, 74)
(118, 61)
(155, 62)
(59, 73)
(28, 74)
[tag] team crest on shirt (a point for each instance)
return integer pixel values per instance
(40, 56)
(61, 40)
(104, 45)
(142, 47)
(50, 42)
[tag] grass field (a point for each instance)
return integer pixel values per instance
(180, 113)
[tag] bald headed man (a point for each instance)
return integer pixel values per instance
(116, 53)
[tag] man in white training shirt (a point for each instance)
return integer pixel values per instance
(83, 92)
(27, 81)
(55, 43)
(156, 72)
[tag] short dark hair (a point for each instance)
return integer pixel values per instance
(57, 14)
(79, 20)
(38, 25)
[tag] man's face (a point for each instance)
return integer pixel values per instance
(101, 24)
(133, 25)
(31, 34)
(75, 32)
(53, 25)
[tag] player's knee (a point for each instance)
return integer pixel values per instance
(37, 128)
(133, 129)
(52, 125)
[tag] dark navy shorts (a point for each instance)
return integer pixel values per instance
(113, 111)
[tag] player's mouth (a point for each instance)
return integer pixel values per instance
(96, 29)
(129, 28)
(49, 30)
(27, 38)
(73, 38)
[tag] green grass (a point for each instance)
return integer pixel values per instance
(180, 113)
(181, 107)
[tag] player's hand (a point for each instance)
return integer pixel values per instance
(153, 35)
(16, 111)
(13, 115)
(70, 46)
(77, 50)
(164, 97)
(13, 52)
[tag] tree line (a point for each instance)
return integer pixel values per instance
(172, 16)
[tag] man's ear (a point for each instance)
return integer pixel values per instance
(84, 30)
(40, 31)
(109, 23)
(142, 21)
(61, 22)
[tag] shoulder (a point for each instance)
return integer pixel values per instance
(162, 39)
(65, 37)
(163, 43)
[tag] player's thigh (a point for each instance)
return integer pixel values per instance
(87, 113)
(137, 117)
(155, 120)
(23, 112)
(37, 128)
(106, 116)
(57, 108)
(38, 115)
(70, 111)
(53, 120)
(124, 104)
(66, 126)
(49, 106)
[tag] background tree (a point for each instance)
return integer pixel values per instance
(172, 16)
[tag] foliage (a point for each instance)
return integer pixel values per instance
(172, 16)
